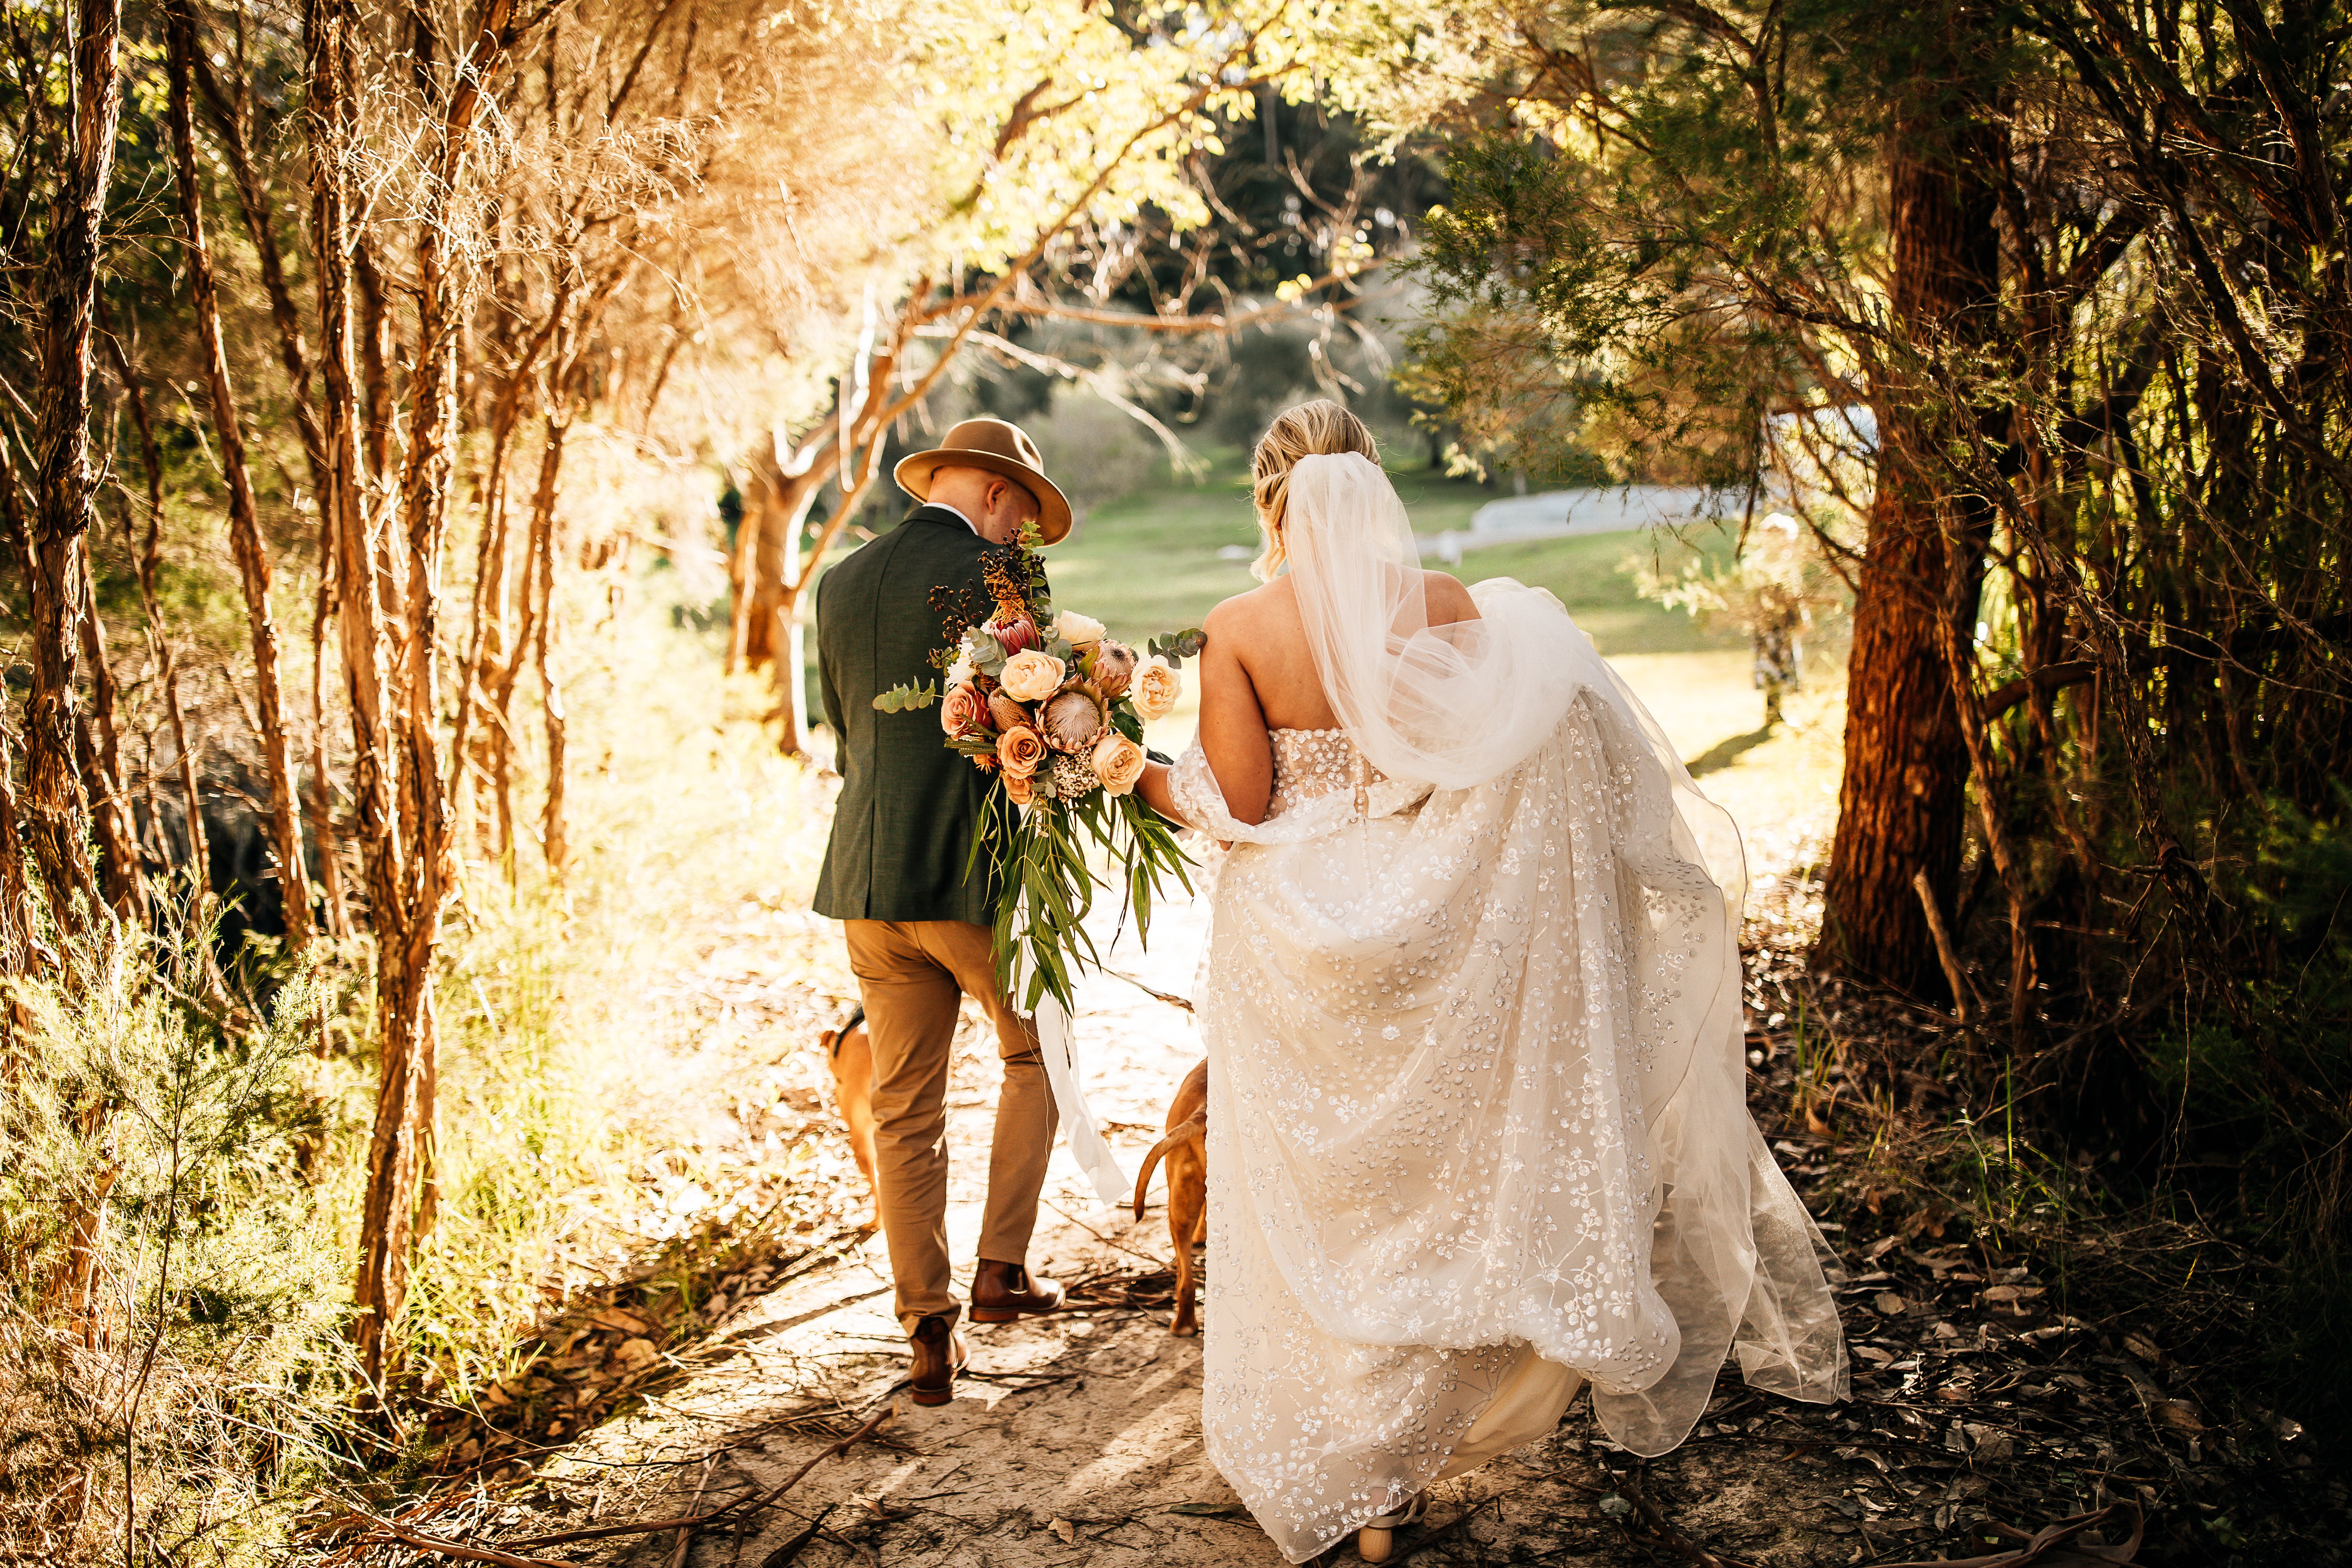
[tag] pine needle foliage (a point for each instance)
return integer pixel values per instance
(171, 1290)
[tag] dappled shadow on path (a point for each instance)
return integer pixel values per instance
(1723, 753)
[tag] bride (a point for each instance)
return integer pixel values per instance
(1471, 1003)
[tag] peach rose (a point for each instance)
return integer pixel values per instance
(1118, 762)
(1157, 688)
(1019, 791)
(1111, 669)
(1072, 719)
(1004, 713)
(962, 710)
(1032, 676)
(1020, 750)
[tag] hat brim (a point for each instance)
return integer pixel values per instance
(914, 475)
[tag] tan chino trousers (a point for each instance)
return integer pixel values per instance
(912, 974)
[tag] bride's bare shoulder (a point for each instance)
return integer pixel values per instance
(1255, 608)
(1448, 598)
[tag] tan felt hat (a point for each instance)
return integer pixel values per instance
(1001, 448)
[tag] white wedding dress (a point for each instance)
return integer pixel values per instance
(1476, 1122)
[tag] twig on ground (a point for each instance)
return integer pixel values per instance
(697, 1521)
(455, 1549)
(782, 1555)
(686, 1532)
(1107, 1241)
(1663, 1530)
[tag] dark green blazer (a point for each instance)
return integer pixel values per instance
(902, 829)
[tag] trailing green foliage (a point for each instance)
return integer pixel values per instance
(1046, 853)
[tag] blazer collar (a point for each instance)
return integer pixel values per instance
(946, 516)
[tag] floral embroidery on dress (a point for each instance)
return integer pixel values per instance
(1432, 1030)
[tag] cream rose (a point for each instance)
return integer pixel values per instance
(1157, 688)
(1118, 762)
(962, 710)
(1077, 630)
(1020, 751)
(1032, 676)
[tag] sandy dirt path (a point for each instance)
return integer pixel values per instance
(1076, 1439)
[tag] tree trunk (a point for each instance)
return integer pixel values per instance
(55, 810)
(1903, 800)
(552, 836)
(244, 527)
(387, 1210)
(102, 766)
(253, 207)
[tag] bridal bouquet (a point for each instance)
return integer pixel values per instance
(1055, 710)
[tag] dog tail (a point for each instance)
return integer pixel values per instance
(1193, 1131)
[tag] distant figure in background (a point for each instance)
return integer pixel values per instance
(919, 934)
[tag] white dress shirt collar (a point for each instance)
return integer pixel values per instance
(960, 517)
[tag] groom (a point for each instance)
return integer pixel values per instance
(920, 932)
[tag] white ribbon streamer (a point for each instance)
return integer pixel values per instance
(1056, 1037)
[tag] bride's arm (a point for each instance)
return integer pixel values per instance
(1233, 733)
(1233, 725)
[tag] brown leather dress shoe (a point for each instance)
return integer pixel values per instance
(939, 1355)
(1004, 1291)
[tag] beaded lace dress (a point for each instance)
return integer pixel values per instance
(1477, 1119)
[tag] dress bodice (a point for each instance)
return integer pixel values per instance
(1311, 763)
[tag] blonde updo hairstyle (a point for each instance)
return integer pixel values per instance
(1310, 430)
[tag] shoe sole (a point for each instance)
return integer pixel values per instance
(934, 1395)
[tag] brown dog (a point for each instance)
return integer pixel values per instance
(1186, 1149)
(850, 1055)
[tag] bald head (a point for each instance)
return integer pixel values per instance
(996, 505)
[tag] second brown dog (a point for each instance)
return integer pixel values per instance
(1185, 1147)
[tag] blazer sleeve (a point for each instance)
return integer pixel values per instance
(827, 693)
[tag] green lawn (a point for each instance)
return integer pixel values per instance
(1148, 565)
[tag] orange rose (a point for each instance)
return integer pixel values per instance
(961, 710)
(1019, 791)
(1021, 752)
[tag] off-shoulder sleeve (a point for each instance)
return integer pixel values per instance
(1199, 799)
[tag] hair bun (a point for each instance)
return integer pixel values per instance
(1318, 429)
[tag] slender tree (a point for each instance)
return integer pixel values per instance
(55, 806)
(244, 525)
